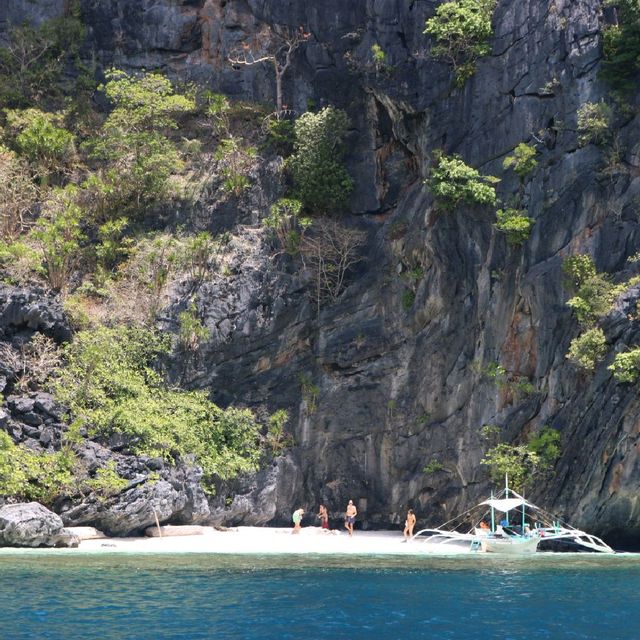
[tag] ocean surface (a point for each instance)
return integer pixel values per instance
(61, 595)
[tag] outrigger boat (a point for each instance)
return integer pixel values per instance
(531, 530)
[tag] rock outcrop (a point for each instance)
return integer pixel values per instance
(32, 525)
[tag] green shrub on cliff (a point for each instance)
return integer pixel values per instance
(594, 123)
(134, 140)
(621, 47)
(27, 475)
(515, 224)
(320, 180)
(626, 366)
(594, 292)
(588, 349)
(41, 138)
(522, 160)
(453, 182)
(462, 30)
(109, 383)
(33, 59)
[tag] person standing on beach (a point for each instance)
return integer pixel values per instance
(297, 519)
(350, 517)
(409, 523)
(324, 517)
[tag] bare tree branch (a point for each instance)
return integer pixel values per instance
(279, 52)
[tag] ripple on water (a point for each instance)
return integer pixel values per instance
(63, 597)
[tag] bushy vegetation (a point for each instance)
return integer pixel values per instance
(515, 224)
(32, 63)
(287, 224)
(594, 123)
(525, 462)
(31, 475)
(522, 160)
(91, 178)
(320, 180)
(110, 385)
(453, 182)
(462, 30)
(134, 140)
(621, 48)
(594, 292)
(588, 348)
(626, 366)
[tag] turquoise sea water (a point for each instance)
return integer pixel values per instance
(67, 596)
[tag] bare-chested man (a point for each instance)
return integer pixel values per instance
(350, 517)
(409, 523)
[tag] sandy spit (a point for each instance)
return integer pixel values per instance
(260, 540)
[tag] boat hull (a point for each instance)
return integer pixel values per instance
(510, 546)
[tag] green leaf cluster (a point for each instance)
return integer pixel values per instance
(107, 481)
(626, 366)
(110, 384)
(134, 139)
(236, 160)
(588, 348)
(594, 292)
(515, 224)
(192, 331)
(522, 160)
(32, 475)
(277, 438)
(453, 182)
(320, 180)
(58, 235)
(577, 270)
(40, 137)
(621, 47)
(594, 123)
(433, 466)
(33, 60)
(287, 224)
(462, 30)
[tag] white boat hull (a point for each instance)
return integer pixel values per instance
(510, 546)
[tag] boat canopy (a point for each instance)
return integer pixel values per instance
(507, 504)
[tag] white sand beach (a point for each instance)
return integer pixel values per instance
(259, 540)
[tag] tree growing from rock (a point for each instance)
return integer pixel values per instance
(320, 180)
(281, 43)
(329, 252)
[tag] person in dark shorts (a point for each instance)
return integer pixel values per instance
(350, 517)
(324, 517)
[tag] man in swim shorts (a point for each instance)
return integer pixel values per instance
(350, 517)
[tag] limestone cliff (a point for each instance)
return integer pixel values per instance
(399, 387)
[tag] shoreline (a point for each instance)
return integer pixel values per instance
(260, 541)
(263, 541)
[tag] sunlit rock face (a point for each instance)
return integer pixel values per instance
(396, 384)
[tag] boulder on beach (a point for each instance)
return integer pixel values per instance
(30, 524)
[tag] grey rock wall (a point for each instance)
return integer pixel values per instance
(399, 388)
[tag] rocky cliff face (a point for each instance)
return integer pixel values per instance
(397, 387)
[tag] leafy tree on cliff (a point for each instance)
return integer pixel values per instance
(453, 182)
(320, 180)
(33, 61)
(134, 139)
(462, 29)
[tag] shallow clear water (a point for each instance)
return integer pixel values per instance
(64, 596)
